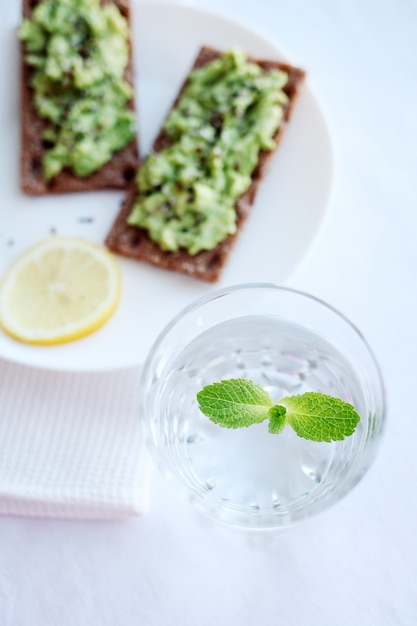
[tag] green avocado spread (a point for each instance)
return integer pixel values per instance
(229, 112)
(78, 52)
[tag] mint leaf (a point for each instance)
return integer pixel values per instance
(238, 402)
(278, 419)
(319, 417)
(235, 402)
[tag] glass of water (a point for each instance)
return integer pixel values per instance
(289, 342)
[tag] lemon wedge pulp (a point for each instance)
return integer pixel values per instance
(59, 290)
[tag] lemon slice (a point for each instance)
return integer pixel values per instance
(59, 290)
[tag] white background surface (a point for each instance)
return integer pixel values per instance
(356, 563)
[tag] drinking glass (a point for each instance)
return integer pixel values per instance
(289, 342)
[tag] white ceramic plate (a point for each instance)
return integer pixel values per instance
(288, 212)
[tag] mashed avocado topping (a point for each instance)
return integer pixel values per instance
(229, 111)
(79, 51)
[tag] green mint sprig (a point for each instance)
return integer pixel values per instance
(239, 402)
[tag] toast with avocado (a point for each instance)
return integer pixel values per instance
(77, 105)
(194, 191)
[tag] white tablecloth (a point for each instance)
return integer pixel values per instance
(357, 562)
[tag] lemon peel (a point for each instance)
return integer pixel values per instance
(59, 290)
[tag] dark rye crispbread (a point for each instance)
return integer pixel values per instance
(207, 265)
(115, 174)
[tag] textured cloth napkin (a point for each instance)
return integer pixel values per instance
(71, 444)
